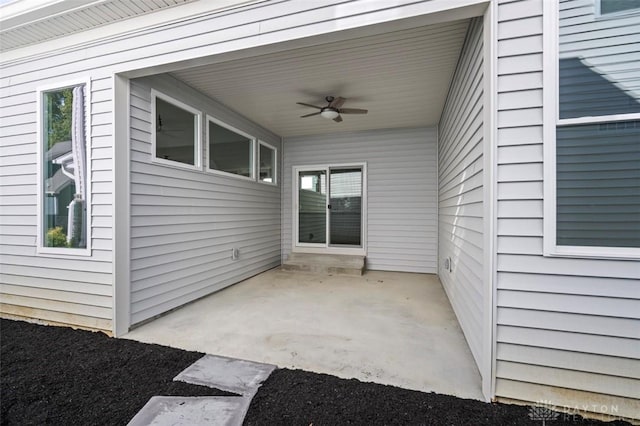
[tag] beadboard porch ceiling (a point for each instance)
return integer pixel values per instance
(401, 77)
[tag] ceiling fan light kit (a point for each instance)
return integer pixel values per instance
(333, 110)
(329, 113)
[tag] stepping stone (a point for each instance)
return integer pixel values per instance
(232, 375)
(203, 410)
(228, 374)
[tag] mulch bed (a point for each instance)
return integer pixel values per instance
(294, 397)
(61, 376)
(56, 375)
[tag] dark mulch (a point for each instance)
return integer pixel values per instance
(61, 376)
(294, 397)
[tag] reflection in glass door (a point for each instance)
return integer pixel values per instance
(312, 207)
(345, 206)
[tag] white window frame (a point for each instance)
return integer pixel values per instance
(197, 154)
(275, 163)
(252, 160)
(550, 122)
(600, 15)
(62, 252)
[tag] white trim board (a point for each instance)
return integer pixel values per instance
(121, 206)
(490, 40)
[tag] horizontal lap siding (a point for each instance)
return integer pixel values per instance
(460, 184)
(185, 223)
(74, 290)
(401, 197)
(567, 329)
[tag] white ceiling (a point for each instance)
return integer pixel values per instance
(401, 77)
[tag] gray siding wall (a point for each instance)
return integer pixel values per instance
(402, 192)
(79, 290)
(568, 329)
(460, 190)
(73, 290)
(185, 223)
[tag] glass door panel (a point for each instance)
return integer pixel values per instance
(345, 206)
(312, 207)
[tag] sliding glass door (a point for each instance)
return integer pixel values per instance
(329, 206)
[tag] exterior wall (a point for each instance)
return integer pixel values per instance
(460, 191)
(185, 223)
(73, 290)
(401, 197)
(79, 290)
(567, 328)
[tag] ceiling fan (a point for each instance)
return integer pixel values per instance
(333, 110)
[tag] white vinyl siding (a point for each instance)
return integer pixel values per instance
(567, 329)
(63, 288)
(460, 191)
(185, 223)
(401, 191)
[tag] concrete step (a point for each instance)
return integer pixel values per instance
(335, 264)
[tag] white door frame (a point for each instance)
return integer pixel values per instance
(325, 248)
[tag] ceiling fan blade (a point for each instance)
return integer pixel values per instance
(308, 105)
(353, 111)
(338, 119)
(337, 102)
(309, 115)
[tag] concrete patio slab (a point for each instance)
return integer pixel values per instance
(385, 327)
(232, 375)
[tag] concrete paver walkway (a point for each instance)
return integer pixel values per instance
(232, 375)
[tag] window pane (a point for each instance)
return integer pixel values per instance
(599, 69)
(312, 206)
(175, 133)
(598, 185)
(64, 169)
(345, 198)
(612, 6)
(267, 163)
(229, 152)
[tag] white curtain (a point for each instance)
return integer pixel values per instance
(78, 143)
(76, 226)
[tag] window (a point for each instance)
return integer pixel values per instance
(616, 6)
(267, 161)
(593, 149)
(176, 136)
(230, 150)
(63, 185)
